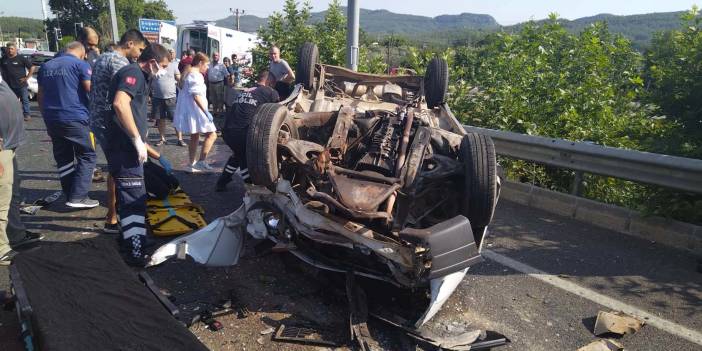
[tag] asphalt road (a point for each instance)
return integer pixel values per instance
(543, 282)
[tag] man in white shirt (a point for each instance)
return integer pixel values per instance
(216, 76)
(163, 89)
(281, 71)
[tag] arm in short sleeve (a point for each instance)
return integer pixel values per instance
(85, 72)
(197, 84)
(274, 96)
(129, 81)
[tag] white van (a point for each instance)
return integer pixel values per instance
(208, 38)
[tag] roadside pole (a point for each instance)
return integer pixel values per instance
(113, 17)
(352, 24)
(43, 13)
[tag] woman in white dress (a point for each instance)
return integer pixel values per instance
(192, 116)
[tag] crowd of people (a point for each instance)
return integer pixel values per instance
(88, 99)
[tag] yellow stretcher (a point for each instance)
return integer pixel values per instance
(174, 215)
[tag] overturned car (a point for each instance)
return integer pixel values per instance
(369, 174)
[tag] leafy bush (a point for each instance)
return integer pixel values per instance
(584, 87)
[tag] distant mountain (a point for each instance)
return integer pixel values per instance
(637, 28)
(21, 26)
(386, 22)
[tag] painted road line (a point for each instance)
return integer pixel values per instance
(653, 320)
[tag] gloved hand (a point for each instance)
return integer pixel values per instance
(140, 149)
(165, 164)
(210, 117)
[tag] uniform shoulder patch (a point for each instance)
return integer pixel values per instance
(130, 80)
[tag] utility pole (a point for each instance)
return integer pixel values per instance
(1, 43)
(75, 27)
(352, 25)
(43, 13)
(236, 13)
(113, 18)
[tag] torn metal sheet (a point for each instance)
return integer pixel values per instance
(218, 244)
(603, 345)
(617, 323)
(441, 290)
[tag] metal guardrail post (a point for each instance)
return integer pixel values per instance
(669, 171)
(577, 188)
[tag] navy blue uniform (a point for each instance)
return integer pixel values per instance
(123, 159)
(65, 111)
(236, 126)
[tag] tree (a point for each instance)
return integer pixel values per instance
(331, 35)
(95, 13)
(673, 74)
(69, 12)
(290, 29)
(158, 10)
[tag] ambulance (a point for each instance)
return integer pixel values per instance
(205, 37)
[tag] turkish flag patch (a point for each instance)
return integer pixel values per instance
(130, 80)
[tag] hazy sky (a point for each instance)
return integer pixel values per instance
(504, 11)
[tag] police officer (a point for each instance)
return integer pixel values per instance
(236, 126)
(127, 151)
(64, 83)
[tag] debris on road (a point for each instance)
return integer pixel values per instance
(616, 322)
(267, 331)
(304, 335)
(603, 345)
(34, 207)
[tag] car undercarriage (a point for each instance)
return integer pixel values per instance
(368, 175)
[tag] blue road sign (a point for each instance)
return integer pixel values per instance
(148, 25)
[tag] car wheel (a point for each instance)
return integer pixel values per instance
(307, 60)
(480, 190)
(269, 123)
(436, 82)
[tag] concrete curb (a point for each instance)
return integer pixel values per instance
(668, 232)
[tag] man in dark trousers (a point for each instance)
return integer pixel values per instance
(131, 44)
(16, 70)
(236, 126)
(127, 151)
(64, 84)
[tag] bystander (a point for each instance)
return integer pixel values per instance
(163, 102)
(12, 135)
(216, 77)
(281, 71)
(16, 70)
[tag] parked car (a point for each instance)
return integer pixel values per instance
(38, 58)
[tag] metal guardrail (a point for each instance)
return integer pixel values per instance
(668, 171)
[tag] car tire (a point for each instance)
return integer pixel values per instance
(262, 142)
(480, 190)
(306, 63)
(436, 82)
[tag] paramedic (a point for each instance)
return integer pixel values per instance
(236, 126)
(126, 150)
(64, 83)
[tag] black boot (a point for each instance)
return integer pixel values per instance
(223, 180)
